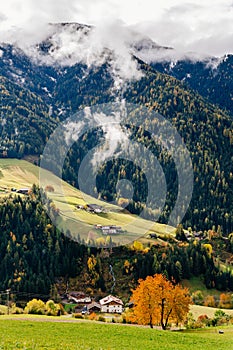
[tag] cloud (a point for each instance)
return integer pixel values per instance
(201, 28)
(195, 30)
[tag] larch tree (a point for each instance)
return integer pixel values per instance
(157, 301)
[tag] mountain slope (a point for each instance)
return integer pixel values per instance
(25, 121)
(213, 80)
(206, 130)
(80, 224)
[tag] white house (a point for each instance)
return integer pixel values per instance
(111, 304)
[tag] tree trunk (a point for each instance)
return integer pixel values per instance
(163, 326)
(162, 315)
(151, 324)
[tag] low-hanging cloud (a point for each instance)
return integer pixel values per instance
(192, 30)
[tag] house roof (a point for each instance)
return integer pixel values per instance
(109, 299)
(93, 305)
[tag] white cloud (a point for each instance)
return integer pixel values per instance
(199, 27)
(203, 26)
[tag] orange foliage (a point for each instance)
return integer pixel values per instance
(93, 316)
(210, 301)
(225, 301)
(157, 301)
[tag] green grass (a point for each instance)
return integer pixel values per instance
(20, 173)
(15, 334)
(195, 283)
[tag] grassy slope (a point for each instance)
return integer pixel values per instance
(195, 283)
(91, 335)
(198, 310)
(20, 173)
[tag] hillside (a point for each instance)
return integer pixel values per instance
(25, 122)
(80, 223)
(37, 257)
(63, 89)
(208, 78)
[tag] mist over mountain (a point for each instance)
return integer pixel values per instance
(74, 66)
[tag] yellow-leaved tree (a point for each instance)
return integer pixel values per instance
(157, 301)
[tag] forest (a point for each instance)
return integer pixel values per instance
(37, 259)
(52, 93)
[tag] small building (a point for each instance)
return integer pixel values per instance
(111, 230)
(23, 190)
(94, 208)
(79, 298)
(93, 307)
(153, 236)
(111, 304)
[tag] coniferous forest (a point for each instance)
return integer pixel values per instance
(36, 258)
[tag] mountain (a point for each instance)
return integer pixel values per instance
(25, 121)
(38, 94)
(211, 78)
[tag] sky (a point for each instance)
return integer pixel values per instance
(202, 26)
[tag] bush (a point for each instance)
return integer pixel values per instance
(16, 310)
(36, 307)
(52, 309)
(78, 316)
(198, 297)
(92, 316)
(220, 318)
(210, 301)
(101, 319)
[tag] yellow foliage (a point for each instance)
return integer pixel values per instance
(157, 302)
(208, 247)
(138, 246)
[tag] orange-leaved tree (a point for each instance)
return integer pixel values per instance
(157, 301)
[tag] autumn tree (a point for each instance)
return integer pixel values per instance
(158, 301)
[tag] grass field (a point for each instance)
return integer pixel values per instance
(15, 334)
(195, 283)
(20, 174)
(198, 310)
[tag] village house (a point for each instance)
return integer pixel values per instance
(111, 304)
(93, 307)
(109, 230)
(23, 190)
(94, 208)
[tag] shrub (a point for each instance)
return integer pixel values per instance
(52, 309)
(101, 319)
(220, 318)
(35, 307)
(202, 321)
(92, 316)
(49, 188)
(198, 297)
(210, 301)
(78, 316)
(16, 310)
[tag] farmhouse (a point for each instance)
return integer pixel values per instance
(93, 307)
(111, 304)
(109, 230)
(23, 190)
(94, 208)
(76, 297)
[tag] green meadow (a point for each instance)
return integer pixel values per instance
(22, 174)
(50, 335)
